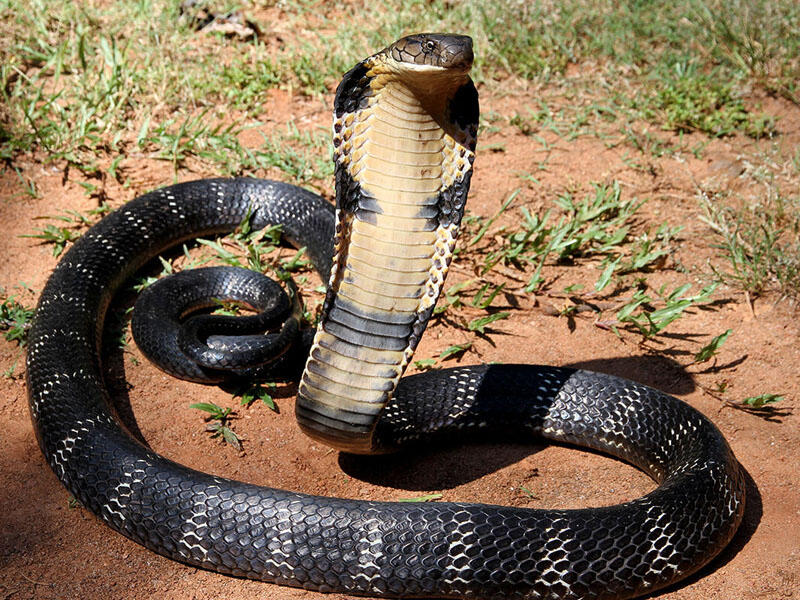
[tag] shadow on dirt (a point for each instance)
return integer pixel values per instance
(436, 467)
(660, 372)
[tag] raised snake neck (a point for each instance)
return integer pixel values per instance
(404, 137)
(353, 546)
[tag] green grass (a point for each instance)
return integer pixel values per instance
(597, 225)
(711, 349)
(259, 391)
(218, 422)
(93, 85)
(758, 244)
(512, 254)
(77, 80)
(15, 319)
(685, 99)
(61, 236)
(650, 315)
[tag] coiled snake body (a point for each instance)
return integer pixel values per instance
(404, 135)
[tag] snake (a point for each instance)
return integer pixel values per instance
(404, 132)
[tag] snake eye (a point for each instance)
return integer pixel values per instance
(430, 46)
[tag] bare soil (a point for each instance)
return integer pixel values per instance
(50, 549)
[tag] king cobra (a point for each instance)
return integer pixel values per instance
(404, 134)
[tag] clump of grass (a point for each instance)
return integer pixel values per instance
(301, 155)
(258, 391)
(75, 223)
(58, 237)
(711, 349)
(15, 320)
(758, 243)
(688, 100)
(597, 225)
(762, 400)
(254, 249)
(650, 315)
(758, 38)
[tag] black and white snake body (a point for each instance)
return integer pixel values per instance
(429, 550)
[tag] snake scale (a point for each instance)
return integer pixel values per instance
(405, 126)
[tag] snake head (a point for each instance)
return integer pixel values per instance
(433, 51)
(432, 65)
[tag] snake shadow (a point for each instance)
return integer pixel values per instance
(117, 384)
(657, 371)
(438, 466)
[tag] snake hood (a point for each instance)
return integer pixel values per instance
(404, 133)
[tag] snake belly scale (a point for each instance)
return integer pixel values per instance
(405, 126)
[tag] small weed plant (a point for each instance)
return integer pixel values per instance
(219, 422)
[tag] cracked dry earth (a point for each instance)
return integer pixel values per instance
(51, 549)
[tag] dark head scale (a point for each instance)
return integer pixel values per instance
(443, 50)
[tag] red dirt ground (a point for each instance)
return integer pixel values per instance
(50, 550)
